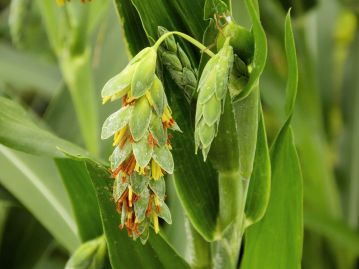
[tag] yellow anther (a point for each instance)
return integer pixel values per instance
(157, 201)
(106, 98)
(119, 135)
(149, 98)
(140, 170)
(166, 116)
(156, 170)
(155, 223)
(129, 215)
(130, 193)
(169, 146)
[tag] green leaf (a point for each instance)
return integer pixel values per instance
(123, 251)
(259, 185)
(82, 195)
(282, 226)
(35, 182)
(77, 72)
(131, 25)
(18, 131)
(335, 230)
(246, 119)
(292, 81)
(24, 240)
(91, 255)
(22, 69)
(260, 51)
(213, 7)
(196, 188)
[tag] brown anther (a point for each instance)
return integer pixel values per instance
(151, 140)
(131, 139)
(131, 165)
(135, 229)
(119, 207)
(124, 179)
(135, 197)
(158, 208)
(149, 207)
(123, 142)
(129, 231)
(123, 196)
(117, 170)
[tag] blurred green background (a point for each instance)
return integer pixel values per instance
(57, 71)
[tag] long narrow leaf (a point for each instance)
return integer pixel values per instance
(34, 181)
(18, 131)
(282, 226)
(83, 198)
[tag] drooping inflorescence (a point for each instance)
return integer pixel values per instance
(142, 154)
(212, 88)
(178, 64)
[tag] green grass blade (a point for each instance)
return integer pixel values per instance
(83, 198)
(34, 181)
(292, 82)
(333, 229)
(197, 188)
(260, 50)
(26, 71)
(24, 240)
(282, 226)
(132, 27)
(18, 131)
(78, 75)
(260, 182)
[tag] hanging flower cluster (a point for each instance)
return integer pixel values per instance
(142, 154)
(212, 88)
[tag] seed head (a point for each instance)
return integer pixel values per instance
(212, 88)
(142, 155)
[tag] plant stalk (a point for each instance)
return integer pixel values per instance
(190, 39)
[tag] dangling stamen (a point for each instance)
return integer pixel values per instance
(155, 223)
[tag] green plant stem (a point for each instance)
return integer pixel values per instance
(188, 38)
(78, 75)
(233, 189)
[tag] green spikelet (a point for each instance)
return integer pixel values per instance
(177, 63)
(142, 153)
(212, 88)
(91, 254)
